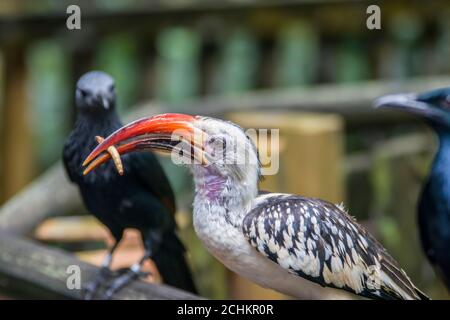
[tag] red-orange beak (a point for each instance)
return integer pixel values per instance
(166, 132)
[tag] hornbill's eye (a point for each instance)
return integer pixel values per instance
(218, 142)
(216, 146)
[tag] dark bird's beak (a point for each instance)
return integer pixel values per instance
(105, 103)
(166, 133)
(411, 103)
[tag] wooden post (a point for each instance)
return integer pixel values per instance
(310, 164)
(17, 148)
(2, 94)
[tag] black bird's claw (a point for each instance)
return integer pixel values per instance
(91, 288)
(121, 281)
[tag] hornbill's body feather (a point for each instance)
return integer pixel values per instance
(320, 242)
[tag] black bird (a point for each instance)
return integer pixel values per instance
(142, 199)
(281, 241)
(434, 203)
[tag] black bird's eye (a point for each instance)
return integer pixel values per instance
(111, 87)
(446, 102)
(83, 93)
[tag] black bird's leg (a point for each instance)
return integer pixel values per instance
(151, 243)
(103, 274)
(133, 273)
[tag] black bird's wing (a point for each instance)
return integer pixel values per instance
(170, 256)
(150, 173)
(322, 243)
(69, 150)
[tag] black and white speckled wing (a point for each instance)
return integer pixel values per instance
(322, 243)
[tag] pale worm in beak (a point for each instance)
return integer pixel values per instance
(115, 156)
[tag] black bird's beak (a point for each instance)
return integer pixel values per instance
(105, 103)
(410, 102)
(166, 133)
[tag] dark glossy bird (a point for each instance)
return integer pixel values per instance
(284, 242)
(141, 199)
(434, 203)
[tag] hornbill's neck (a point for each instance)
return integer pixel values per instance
(227, 197)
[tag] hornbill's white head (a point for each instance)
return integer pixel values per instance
(218, 152)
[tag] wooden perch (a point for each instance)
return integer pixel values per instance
(347, 99)
(73, 229)
(30, 270)
(52, 194)
(48, 195)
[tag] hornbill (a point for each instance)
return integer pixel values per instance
(142, 199)
(276, 240)
(434, 203)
